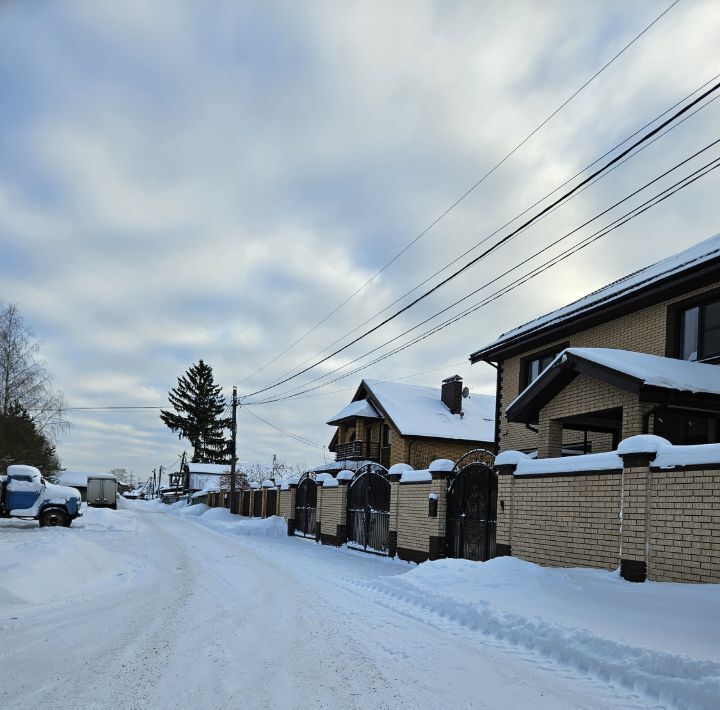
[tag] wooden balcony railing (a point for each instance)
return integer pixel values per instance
(358, 451)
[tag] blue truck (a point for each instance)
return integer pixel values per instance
(25, 494)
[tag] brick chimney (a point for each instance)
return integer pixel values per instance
(452, 394)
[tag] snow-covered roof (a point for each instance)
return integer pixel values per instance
(418, 411)
(625, 287)
(80, 478)
(654, 370)
(217, 469)
(361, 408)
(640, 370)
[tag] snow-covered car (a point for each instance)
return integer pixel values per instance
(25, 494)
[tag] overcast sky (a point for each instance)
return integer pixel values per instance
(186, 180)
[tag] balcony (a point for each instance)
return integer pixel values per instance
(358, 451)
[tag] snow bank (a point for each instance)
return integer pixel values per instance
(589, 620)
(222, 520)
(56, 564)
(107, 520)
(191, 511)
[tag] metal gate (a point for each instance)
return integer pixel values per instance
(368, 513)
(472, 507)
(305, 506)
(270, 502)
(246, 503)
(257, 504)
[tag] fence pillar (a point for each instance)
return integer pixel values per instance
(438, 529)
(291, 492)
(504, 518)
(635, 515)
(394, 479)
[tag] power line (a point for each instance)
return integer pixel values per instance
(297, 437)
(499, 243)
(615, 224)
(535, 204)
(468, 192)
(349, 389)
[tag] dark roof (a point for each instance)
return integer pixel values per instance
(656, 379)
(687, 270)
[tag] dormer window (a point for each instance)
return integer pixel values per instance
(700, 332)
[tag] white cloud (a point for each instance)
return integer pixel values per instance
(182, 184)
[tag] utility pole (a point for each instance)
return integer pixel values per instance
(233, 452)
(159, 480)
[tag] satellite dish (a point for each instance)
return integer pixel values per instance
(466, 392)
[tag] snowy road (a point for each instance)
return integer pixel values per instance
(170, 613)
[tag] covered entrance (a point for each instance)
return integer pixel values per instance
(368, 512)
(306, 506)
(472, 507)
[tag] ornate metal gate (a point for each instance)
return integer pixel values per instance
(472, 507)
(305, 506)
(257, 504)
(270, 502)
(368, 512)
(246, 502)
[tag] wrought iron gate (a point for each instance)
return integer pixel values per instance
(257, 504)
(368, 513)
(246, 503)
(270, 502)
(305, 506)
(472, 508)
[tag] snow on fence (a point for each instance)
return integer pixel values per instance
(651, 508)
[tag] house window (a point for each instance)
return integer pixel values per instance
(534, 366)
(386, 436)
(700, 332)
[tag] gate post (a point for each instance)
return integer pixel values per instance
(637, 454)
(506, 489)
(318, 511)
(439, 524)
(394, 478)
(290, 507)
(343, 483)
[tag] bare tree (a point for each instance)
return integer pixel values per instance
(24, 380)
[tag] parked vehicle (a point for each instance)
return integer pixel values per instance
(102, 491)
(25, 494)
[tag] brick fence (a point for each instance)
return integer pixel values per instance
(651, 515)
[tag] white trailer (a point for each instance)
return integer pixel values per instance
(102, 490)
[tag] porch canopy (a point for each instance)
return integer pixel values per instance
(654, 379)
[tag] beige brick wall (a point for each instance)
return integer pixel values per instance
(286, 503)
(421, 452)
(684, 526)
(415, 526)
(563, 520)
(584, 395)
(642, 331)
(334, 506)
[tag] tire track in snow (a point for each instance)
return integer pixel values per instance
(667, 679)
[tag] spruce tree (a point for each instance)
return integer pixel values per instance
(198, 416)
(22, 443)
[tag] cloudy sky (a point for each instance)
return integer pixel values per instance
(186, 180)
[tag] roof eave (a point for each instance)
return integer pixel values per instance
(668, 287)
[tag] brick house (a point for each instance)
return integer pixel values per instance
(392, 422)
(633, 357)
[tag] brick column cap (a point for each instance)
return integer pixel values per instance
(641, 450)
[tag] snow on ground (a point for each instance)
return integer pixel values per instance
(157, 606)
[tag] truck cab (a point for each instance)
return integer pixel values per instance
(25, 494)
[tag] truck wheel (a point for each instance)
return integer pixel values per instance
(54, 517)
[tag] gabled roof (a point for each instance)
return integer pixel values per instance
(654, 279)
(358, 408)
(653, 378)
(418, 411)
